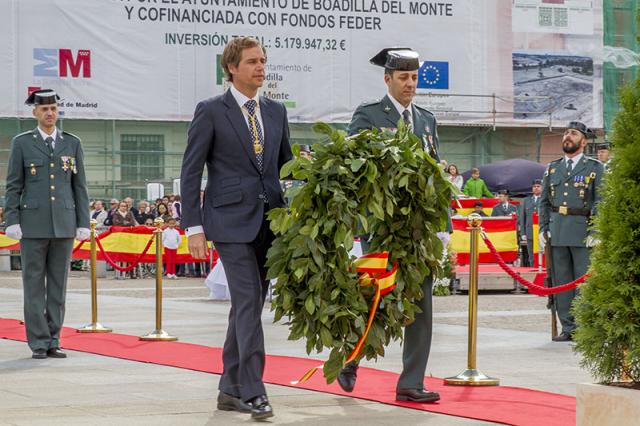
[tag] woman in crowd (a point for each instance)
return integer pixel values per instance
(454, 177)
(124, 217)
(162, 211)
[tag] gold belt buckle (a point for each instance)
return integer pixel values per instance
(563, 210)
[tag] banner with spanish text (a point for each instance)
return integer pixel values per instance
(486, 62)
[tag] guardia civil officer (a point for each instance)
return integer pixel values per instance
(528, 207)
(401, 77)
(567, 204)
(504, 208)
(47, 205)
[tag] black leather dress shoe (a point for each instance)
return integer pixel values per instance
(228, 402)
(260, 408)
(562, 337)
(56, 353)
(39, 354)
(416, 395)
(348, 376)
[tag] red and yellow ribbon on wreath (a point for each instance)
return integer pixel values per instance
(373, 267)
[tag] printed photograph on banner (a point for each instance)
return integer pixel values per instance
(554, 16)
(552, 83)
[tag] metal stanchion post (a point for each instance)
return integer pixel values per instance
(158, 334)
(472, 376)
(95, 326)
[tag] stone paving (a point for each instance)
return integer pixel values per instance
(513, 345)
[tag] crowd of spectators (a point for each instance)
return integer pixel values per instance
(123, 213)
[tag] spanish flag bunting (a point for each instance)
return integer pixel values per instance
(122, 243)
(7, 243)
(501, 231)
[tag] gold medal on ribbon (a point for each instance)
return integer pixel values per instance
(257, 148)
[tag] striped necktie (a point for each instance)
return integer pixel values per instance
(256, 132)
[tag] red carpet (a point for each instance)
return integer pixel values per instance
(506, 405)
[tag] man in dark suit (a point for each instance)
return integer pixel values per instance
(505, 208)
(243, 140)
(401, 76)
(47, 206)
(525, 220)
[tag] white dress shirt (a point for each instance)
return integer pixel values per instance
(575, 159)
(401, 108)
(53, 135)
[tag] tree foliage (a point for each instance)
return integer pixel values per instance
(608, 308)
(374, 182)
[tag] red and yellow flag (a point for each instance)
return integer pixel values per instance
(122, 243)
(466, 206)
(501, 231)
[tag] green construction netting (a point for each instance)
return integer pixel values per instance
(620, 30)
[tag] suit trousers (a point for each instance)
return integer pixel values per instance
(569, 263)
(530, 252)
(417, 336)
(45, 267)
(243, 355)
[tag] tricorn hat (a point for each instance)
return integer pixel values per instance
(397, 59)
(42, 97)
(582, 128)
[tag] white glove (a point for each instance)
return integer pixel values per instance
(542, 240)
(83, 234)
(14, 232)
(592, 241)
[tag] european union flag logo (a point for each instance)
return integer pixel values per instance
(433, 75)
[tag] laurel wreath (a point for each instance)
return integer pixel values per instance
(378, 183)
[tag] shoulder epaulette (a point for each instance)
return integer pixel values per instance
(369, 103)
(595, 160)
(28, 132)
(70, 134)
(423, 109)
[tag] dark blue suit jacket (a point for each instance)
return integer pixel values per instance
(233, 209)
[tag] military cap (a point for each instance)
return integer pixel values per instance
(42, 97)
(603, 146)
(582, 128)
(479, 204)
(397, 59)
(503, 192)
(305, 147)
(537, 182)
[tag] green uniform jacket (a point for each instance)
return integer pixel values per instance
(383, 114)
(476, 188)
(46, 193)
(499, 210)
(525, 219)
(575, 190)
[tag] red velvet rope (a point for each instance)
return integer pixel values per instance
(76, 248)
(121, 268)
(533, 288)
